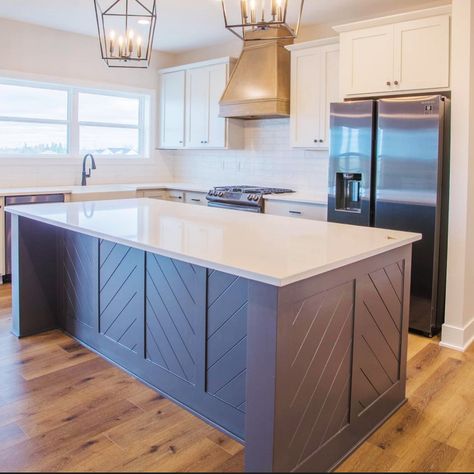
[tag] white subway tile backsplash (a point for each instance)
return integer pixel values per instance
(266, 160)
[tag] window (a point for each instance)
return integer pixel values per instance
(43, 119)
(33, 120)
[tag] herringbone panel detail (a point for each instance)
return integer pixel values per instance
(172, 315)
(79, 259)
(121, 297)
(227, 338)
(318, 340)
(377, 338)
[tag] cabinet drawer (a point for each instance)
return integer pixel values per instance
(298, 209)
(195, 198)
(154, 193)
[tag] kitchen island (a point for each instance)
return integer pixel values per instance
(289, 335)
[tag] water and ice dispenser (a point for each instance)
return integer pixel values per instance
(348, 192)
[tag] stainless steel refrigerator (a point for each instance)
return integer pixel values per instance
(389, 167)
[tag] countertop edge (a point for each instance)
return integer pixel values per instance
(273, 281)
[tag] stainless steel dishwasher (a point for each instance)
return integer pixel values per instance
(16, 201)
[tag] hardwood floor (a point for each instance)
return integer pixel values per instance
(63, 408)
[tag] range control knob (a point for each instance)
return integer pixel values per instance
(249, 197)
(220, 194)
(256, 197)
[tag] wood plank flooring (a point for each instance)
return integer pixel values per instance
(63, 408)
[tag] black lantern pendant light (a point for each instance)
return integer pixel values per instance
(126, 29)
(263, 19)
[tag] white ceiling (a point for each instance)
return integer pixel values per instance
(190, 24)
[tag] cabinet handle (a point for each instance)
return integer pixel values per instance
(321, 141)
(296, 212)
(396, 83)
(195, 200)
(181, 141)
(389, 83)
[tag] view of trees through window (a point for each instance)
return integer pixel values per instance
(37, 119)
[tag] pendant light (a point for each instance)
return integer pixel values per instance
(262, 19)
(126, 29)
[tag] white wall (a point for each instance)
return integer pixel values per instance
(458, 330)
(267, 160)
(55, 55)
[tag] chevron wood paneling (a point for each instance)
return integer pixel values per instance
(78, 282)
(318, 341)
(121, 297)
(227, 338)
(173, 315)
(377, 335)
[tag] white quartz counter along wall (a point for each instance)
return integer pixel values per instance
(266, 160)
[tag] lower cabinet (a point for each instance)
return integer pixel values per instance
(98, 196)
(296, 209)
(190, 197)
(178, 327)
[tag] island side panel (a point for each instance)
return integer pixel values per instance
(78, 285)
(34, 276)
(312, 392)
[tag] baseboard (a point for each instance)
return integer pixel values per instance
(457, 338)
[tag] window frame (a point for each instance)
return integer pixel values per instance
(73, 123)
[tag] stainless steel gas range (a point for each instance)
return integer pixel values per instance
(242, 198)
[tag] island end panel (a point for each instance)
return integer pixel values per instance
(302, 374)
(329, 365)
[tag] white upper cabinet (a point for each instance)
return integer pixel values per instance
(367, 60)
(197, 107)
(314, 85)
(203, 91)
(189, 110)
(422, 53)
(392, 56)
(172, 106)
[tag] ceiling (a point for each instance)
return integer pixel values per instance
(189, 24)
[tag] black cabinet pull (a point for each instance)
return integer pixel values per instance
(295, 212)
(195, 200)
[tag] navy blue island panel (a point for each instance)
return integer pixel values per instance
(179, 327)
(301, 374)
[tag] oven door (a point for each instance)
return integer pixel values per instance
(236, 207)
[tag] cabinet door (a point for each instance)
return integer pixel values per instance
(197, 107)
(172, 109)
(305, 98)
(422, 53)
(367, 60)
(329, 89)
(217, 125)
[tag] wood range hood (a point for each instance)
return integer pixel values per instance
(259, 86)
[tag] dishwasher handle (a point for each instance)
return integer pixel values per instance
(33, 199)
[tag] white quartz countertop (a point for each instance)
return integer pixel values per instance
(271, 249)
(304, 197)
(101, 188)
